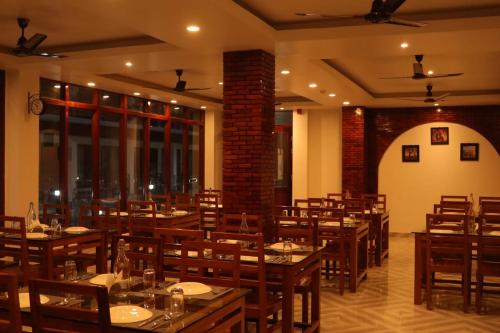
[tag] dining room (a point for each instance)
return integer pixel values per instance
(250, 166)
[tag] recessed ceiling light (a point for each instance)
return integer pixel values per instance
(203, 107)
(436, 104)
(105, 96)
(57, 86)
(313, 85)
(221, 83)
(282, 108)
(285, 72)
(346, 102)
(91, 84)
(193, 28)
(331, 95)
(438, 110)
(404, 45)
(173, 101)
(137, 93)
(430, 72)
(129, 64)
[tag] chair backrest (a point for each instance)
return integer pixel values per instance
(355, 207)
(489, 205)
(441, 245)
(456, 198)
(16, 245)
(488, 244)
(300, 230)
(107, 202)
(183, 201)
(91, 317)
(143, 252)
(315, 202)
(303, 203)
(9, 307)
(454, 207)
(212, 191)
(60, 212)
(380, 200)
(331, 203)
(232, 223)
(163, 201)
(221, 268)
(141, 217)
(336, 196)
(331, 227)
(171, 242)
(208, 207)
(283, 211)
(99, 217)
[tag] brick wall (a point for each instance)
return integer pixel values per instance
(248, 146)
(382, 126)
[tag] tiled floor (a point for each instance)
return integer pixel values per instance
(384, 303)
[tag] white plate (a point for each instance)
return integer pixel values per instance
(102, 279)
(76, 230)
(180, 212)
(124, 314)
(24, 300)
(330, 224)
(279, 246)
(253, 258)
(36, 235)
(191, 288)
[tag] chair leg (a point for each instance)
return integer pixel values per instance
(342, 276)
(305, 307)
(428, 289)
(479, 292)
(327, 268)
(466, 292)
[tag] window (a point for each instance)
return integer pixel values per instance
(176, 160)
(194, 159)
(135, 158)
(109, 155)
(156, 157)
(81, 94)
(135, 104)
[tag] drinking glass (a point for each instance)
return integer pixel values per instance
(287, 250)
(53, 224)
(176, 302)
(148, 282)
(70, 270)
(172, 210)
(284, 212)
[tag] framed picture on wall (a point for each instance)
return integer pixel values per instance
(411, 153)
(469, 152)
(439, 136)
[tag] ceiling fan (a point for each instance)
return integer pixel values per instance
(418, 72)
(381, 12)
(429, 98)
(181, 84)
(29, 47)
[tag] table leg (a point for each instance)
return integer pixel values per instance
(49, 261)
(315, 295)
(417, 280)
(378, 243)
(101, 253)
(353, 258)
(288, 296)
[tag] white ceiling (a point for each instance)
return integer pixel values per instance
(356, 55)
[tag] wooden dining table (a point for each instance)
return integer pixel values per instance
(201, 311)
(380, 225)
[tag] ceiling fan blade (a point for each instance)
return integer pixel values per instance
(440, 98)
(34, 41)
(390, 6)
(409, 99)
(190, 89)
(444, 75)
(328, 16)
(45, 54)
(406, 23)
(395, 77)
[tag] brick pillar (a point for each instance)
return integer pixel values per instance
(248, 145)
(353, 151)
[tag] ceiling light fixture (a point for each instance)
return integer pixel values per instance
(404, 45)
(313, 85)
(173, 101)
(57, 86)
(203, 107)
(285, 72)
(430, 72)
(129, 64)
(105, 96)
(346, 102)
(282, 108)
(331, 95)
(91, 84)
(137, 93)
(193, 28)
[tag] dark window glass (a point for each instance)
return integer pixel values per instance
(156, 157)
(109, 158)
(135, 158)
(79, 160)
(196, 114)
(135, 104)
(176, 179)
(81, 94)
(110, 99)
(157, 107)
(179, 111)
(49, 185)
(283, 118)
(51, 89)
(194, 159)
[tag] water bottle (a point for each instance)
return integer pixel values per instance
(244, 228)
(30, 217)
(121, 268)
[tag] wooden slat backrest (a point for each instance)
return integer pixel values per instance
(355, 207)
(315, 202)
(98, 217)
(171, 241)
(221, 268)
(488, 245)
(336, 196)
(331, 227)
(215, 192)
(452, 207)
(143, 252)
(443, 246)
(60, 212)
(49, 317)
(331, 203)
(300, 230)
(141, 217)
(9, 306)
(380, 200)
(17, 245)
(232, 223)
(303, 203)
(163, 201)
(456, 198)
(183, 201)
(207, 200)
(107, 202)
(489, 205)
(280, 210)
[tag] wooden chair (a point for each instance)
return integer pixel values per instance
(283, 211)
(299, 230)
(56, 211)
(141, 217)
(488, 255)
(355, 207)
(217, 269)
(454, 207)
(379, 200)
(303, 203)
(143, 252)
(260, 304)
(331, 203)
(16, 247)
(171, 242)
(183, 201)
(490, 206)
(91, 316)
(98, 217)
(448, 253)
(336, 196)
(9, 307)
(454, 198)
(163, 201)
(212, 191)
(232, 223)
(208, 207)
(333, 237)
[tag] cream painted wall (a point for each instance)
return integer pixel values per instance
(317, 149)
(21, 142)
(413, 188)
(213, 149)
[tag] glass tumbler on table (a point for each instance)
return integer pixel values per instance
(176, 302)
(149, 282)
(287, 250)
(70, 274)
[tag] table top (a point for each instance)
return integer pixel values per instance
(51, 236)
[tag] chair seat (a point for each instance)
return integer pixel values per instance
(274, 304)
